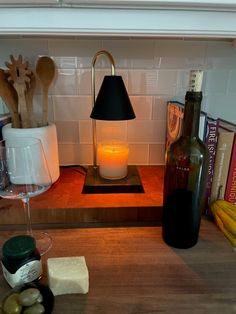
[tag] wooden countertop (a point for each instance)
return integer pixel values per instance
(64, 202)
(133, 272)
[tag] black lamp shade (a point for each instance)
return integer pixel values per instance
(112, 102)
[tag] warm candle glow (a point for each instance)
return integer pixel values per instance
(113, 160)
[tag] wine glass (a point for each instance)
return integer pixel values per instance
(24, 174)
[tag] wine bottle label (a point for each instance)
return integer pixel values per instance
(27, 273)
(183, 164)
(195, 81)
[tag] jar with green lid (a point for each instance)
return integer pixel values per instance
(21, 261)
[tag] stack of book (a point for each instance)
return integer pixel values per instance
(219, 136)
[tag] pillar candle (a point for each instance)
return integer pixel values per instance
(113, 160)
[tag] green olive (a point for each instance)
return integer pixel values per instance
(11, 304)
(29, 296)
(37, 308)
(40, 298)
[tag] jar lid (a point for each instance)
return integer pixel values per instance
(19, 246)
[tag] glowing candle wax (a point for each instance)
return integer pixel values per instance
(113, 160)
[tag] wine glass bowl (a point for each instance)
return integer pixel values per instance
(24, 174)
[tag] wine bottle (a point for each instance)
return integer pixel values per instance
(185, 175)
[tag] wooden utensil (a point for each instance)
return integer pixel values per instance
(29, 94)
(9, 96)
(19, 75)
(45, 69)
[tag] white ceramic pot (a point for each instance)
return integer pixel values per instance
(48, 137)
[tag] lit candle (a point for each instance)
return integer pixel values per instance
(113, 160)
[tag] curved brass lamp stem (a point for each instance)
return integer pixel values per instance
(94, 128)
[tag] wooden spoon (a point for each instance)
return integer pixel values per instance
(45, 69)
(9, 96)
(29, 95)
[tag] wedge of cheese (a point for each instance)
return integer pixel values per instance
(67, 275)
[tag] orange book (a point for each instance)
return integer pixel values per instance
(175, 115)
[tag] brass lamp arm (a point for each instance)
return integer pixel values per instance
(94, 128)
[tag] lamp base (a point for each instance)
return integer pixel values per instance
(94, 183)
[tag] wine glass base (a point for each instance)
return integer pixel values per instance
(43, 241)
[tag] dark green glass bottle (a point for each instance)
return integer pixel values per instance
(185, 175)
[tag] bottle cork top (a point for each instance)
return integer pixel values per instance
(195, 80)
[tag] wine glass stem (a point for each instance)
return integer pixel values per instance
(27, 215)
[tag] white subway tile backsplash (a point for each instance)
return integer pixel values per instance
(141, 53)
(159, 107)
(67, 132)
(232, 82)
(71, 108)
(221, 105)
(37, 108)
(85, 154)
(180, 48)
(65, 82)
(84, 79)
(142, 106)
(75, 154)
(124, 74)
(146, 131)
(182, 83)
(83, 49)
(22, 2)
(180, 63)
(68, 154)
(130, 53)
(30, 49)
(217, 81)
(157, 154)
(120, 52)
(108, 131)
(142, 82)
(154, 71)
(85, 131)
(221, 63)
(138, 154)
(65, 62)
(220, 49)
(166, 82)
(84, 82)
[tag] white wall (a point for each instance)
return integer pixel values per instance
(154, 71)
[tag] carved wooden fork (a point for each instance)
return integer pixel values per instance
(19, 74)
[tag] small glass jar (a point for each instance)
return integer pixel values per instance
(21, 261)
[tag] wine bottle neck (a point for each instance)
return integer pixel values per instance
(192, 112)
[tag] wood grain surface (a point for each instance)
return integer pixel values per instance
(132, 271)
(64, 202)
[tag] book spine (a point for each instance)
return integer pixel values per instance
(211, 142)
(230, 191)
(221, 168)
